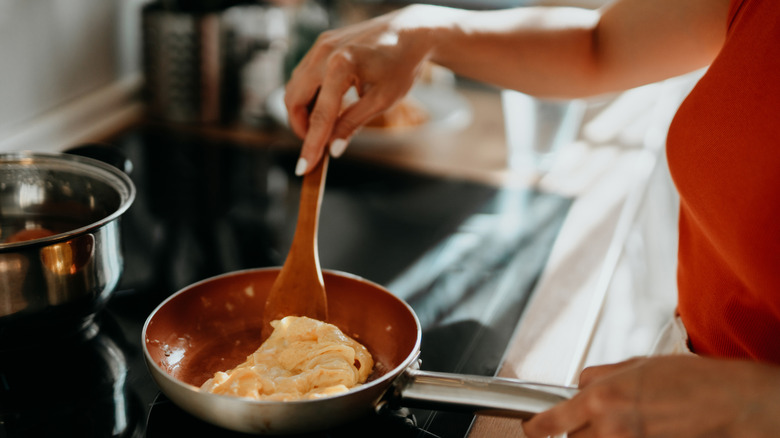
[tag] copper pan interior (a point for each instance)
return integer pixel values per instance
(213, 325)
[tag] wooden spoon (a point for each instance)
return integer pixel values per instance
(299, 289)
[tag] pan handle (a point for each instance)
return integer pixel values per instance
(478, 394)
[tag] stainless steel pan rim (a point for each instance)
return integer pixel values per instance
(271, 417)
(388, 375)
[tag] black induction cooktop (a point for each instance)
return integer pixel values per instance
(465, 256)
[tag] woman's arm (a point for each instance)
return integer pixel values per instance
(563, 52)
(571, 52)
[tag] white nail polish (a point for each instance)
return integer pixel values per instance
(300, 167)
(337, 147)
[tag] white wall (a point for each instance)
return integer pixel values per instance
(54, 51)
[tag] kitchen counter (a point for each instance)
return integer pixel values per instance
(604, 172)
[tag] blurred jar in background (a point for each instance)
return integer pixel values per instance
(219, 62)
(183, 62)
(258, 39)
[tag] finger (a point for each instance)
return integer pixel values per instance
(338, 146)
(299, 95)
(360, 112)
(564, 417)
(338, 79)
(585, 432)
(592, 374)
(304, 84)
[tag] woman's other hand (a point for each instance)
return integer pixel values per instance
(671, 396)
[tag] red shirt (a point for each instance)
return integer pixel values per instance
(724, 154)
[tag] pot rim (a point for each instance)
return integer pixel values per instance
(97, 169)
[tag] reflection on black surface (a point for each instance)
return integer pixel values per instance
(470, 289)
(204, 208)
(71, 387)
(464, 255)
(166, 420)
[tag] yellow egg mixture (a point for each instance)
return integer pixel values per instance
(302, 359)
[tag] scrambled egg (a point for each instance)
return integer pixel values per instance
(302, 359)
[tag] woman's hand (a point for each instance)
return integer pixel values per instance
(381, 58)
(672, 396)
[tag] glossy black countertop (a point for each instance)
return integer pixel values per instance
(465, 256)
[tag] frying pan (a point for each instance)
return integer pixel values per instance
(215, 324)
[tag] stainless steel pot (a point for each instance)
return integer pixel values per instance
(60, 256)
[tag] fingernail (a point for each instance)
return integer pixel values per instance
(337, 147)
(300, 167)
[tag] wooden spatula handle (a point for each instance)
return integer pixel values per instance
(299, 289)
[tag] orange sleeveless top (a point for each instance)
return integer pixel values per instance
(723, 150)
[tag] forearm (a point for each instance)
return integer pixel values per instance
(572, 52)
(541, 51)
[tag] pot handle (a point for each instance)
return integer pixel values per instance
(478, 394)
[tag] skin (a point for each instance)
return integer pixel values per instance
(673, 396)
(550, 52)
